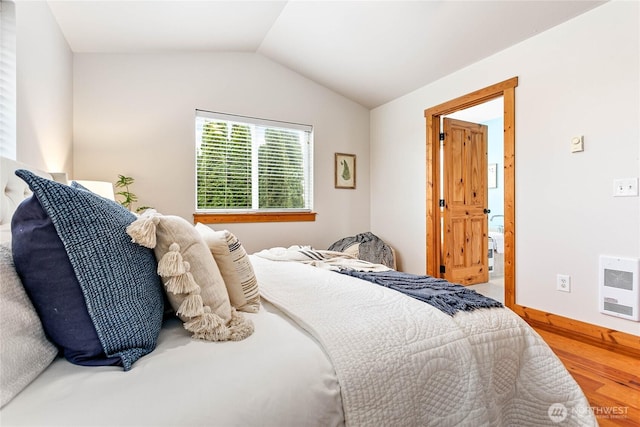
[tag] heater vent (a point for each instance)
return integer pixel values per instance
(618, 279)
(618, 308)
(619, 294)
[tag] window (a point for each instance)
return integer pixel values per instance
(7, 80)
(246, 165)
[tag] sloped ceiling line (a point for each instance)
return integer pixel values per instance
(369, 51)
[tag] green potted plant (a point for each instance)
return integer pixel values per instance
(128, 198)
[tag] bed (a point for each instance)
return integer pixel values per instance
(316, 348)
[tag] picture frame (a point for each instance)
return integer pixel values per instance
(345, 170)
(492, 175)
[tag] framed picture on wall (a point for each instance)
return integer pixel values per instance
(345, 170)
(492, 176)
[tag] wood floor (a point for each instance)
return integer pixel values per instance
(610, 381)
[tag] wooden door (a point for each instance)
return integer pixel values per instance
(465, 234)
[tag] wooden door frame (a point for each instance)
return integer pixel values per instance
(604, 337)
(506, 90)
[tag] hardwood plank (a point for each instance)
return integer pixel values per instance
(609, 380)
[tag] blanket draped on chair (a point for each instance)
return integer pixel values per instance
(372, 248)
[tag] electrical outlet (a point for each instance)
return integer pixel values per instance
(563, 283)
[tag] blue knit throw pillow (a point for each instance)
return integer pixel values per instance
(47, 275)
(122, 292)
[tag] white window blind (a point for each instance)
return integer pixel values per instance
(251, 164)
(7, 79)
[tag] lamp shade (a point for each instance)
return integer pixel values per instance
(101, 188)
(60, 177)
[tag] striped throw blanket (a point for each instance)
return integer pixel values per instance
(330, 260)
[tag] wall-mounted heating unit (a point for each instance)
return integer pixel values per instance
(619, 290)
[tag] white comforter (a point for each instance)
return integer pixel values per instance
(278, 377)
(401, 362)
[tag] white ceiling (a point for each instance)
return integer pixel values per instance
(369, 51)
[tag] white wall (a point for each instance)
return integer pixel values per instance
(44, 92)
(580, 78)
(134, 115)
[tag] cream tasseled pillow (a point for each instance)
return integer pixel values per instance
(192, 280)
(235, 266)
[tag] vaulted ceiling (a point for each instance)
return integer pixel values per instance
(369, 51)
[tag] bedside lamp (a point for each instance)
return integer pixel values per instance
(60, 177)
(101, 188)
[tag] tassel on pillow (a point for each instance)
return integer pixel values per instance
(171, 263)
(182, 284)
(191, 306)
(239, 327)
(208, 326)
(143, 229)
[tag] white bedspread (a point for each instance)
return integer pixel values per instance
(401, 362)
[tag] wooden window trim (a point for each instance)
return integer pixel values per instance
(248, 217)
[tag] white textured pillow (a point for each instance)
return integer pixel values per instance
(235, 266)
(191, 277)
(24, 350)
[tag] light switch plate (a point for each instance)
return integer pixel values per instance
(625, 187)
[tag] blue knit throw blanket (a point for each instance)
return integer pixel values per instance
(441, 294)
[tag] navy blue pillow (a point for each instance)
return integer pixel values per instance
(121, 291)
(47, 275)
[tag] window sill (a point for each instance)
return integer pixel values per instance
(210, 218)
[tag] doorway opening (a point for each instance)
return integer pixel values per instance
(435, 257)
